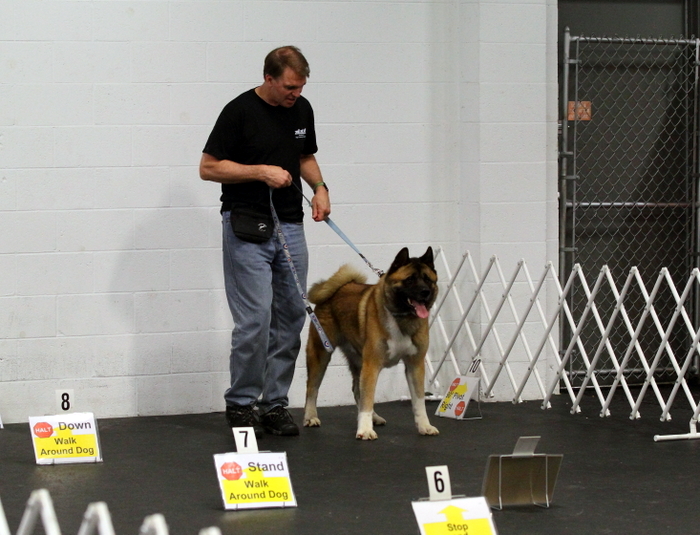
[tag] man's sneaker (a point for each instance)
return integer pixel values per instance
(278, 421)
(243, 416)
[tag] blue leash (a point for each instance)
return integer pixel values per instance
(302, 292)
(340, 233)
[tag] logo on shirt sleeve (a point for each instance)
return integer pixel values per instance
(300, 133)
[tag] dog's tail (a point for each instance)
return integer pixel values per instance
(323, 290)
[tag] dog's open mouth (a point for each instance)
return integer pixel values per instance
(419, 308)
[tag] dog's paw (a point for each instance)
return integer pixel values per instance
(428, 430)
(369, 434)
(378, 420)
(312, 422)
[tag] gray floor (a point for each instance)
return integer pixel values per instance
(614, 477)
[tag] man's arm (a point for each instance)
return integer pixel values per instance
(229, 172)
(311, 173)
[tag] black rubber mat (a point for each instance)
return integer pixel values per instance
(614, 478)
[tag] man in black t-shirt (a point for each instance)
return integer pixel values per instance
(262, 145)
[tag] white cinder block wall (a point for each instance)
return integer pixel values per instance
(436, 125)
(508, 94)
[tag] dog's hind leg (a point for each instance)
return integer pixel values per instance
(415, 376)
(377, 420)
(317, 359)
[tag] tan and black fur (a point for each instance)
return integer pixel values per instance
(376, 326)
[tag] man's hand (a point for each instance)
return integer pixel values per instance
(276, 177)
(230, 172)
(310, 172)
(320, 204)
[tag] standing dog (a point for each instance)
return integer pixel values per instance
(376, 326)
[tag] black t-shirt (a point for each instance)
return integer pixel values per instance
(250, 131)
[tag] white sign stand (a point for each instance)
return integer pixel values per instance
(445, 514)
(65, 438)
(251, 479)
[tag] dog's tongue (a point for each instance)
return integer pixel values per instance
(420, 309)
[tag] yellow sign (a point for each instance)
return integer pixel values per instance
(456, 400)
(455, 523)
(254, 480)
(463, 516)
(66, 438)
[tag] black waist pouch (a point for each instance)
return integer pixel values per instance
(251, 226)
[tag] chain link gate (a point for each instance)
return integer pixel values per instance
(628, 173)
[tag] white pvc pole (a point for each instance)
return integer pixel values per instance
(605, 340)
(96, 518)
(4, 528)
(692, 435)
(463, 319)
(576, 336)
(154, 525)
(39, 503)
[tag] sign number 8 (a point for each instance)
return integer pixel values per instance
(65, 400)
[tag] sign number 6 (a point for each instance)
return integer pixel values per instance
(439, 482)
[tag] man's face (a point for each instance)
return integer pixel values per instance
(285, 90)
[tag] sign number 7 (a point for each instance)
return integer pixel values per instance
(245, 440)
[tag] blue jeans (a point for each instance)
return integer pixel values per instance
(268, 315)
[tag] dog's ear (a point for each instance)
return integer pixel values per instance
(400, 260)
(427, 258)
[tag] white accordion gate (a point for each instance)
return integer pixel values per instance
(515, 305)
(97, 519)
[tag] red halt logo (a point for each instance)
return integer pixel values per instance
(454, 384)
(459, 409)
(43, 430)
(231, 471)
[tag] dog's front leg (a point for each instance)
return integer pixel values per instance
(368, 385)
(415, 376)
(376, 419)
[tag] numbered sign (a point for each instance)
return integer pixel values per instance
(439, 485)
(474, 368)
(65, 438)
(254, 480)
(245, 440)
(65, 400)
